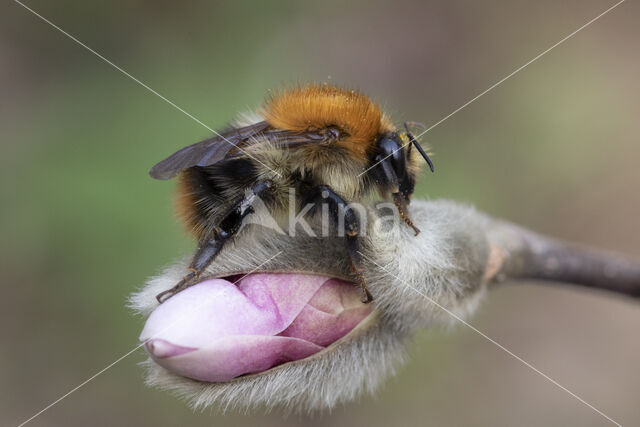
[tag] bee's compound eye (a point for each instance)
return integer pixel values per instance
(391, 147)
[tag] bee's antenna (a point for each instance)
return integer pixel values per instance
(413, 141)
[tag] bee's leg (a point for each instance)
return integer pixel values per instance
(401, 203)
(208, 248)
(399, 190)
(212, 243)
(353, 249)
(337, 205)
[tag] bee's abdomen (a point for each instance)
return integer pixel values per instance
(205, 193)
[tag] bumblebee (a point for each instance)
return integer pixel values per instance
(332, 145)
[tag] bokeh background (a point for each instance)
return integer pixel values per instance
(555, 148)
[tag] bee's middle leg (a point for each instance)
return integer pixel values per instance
(337, 205)
(211, 244)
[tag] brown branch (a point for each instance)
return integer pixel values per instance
(527, 255)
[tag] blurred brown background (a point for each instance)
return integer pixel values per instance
(554, 148)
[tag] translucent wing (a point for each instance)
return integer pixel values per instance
(228, 144)
(205, 153)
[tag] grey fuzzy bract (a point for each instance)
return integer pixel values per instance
(445, 263)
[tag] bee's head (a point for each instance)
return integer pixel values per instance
(392, 151)
(392, 164)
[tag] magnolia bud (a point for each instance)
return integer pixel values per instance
(217, 330)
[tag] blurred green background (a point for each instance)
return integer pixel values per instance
(555, 148)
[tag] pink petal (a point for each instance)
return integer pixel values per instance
(160, 348)
(217, 330)
(332, 312)
(259, 304)
(230, 357)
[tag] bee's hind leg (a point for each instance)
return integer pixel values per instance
(208, 248)
(212, 243)
(337, 205)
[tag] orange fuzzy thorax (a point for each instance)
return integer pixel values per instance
(315, 107)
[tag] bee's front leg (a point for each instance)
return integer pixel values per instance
(388, 176)
(212, 243)
(337, 205)
(403, 210)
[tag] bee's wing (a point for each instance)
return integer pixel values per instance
(228, 144)
(205, 153)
